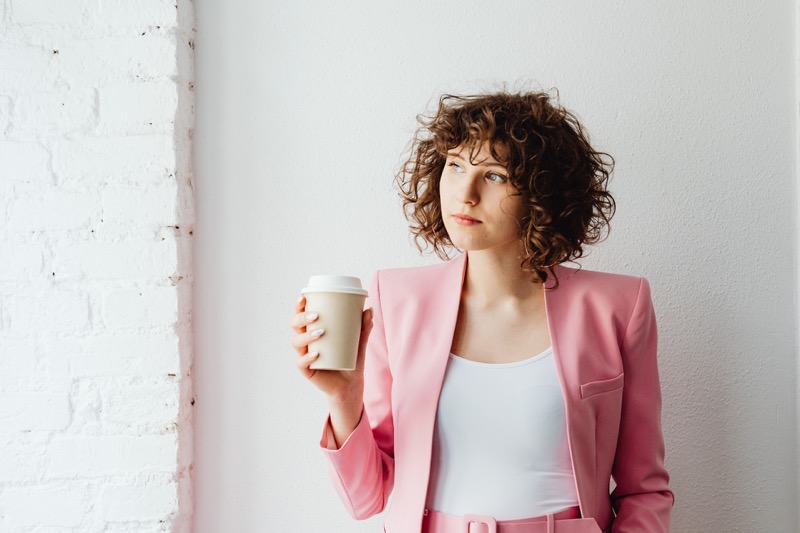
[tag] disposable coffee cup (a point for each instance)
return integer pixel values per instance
(339, 302)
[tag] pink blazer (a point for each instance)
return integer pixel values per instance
(603, 332)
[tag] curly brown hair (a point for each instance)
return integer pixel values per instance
(549, 161)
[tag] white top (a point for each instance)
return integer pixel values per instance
(500, 444)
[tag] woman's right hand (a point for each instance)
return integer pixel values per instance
(341, 386)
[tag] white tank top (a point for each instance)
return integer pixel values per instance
(500, 444)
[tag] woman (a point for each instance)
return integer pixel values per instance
(500, 390)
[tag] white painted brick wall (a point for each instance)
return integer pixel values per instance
(96, 218)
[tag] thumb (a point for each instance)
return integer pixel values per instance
(366, 328)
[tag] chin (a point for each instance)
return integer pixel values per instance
(477, 246)
(468, 245)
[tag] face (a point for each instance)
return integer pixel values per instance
(478, 208)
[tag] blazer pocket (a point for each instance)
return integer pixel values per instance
(604, 385)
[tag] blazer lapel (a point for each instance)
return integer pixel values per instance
(430, 346)
(566, 339)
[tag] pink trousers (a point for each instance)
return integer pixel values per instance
(566, 521)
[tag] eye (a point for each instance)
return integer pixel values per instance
(496, 178)
(455, 166)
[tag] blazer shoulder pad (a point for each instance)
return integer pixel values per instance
(417, 279)
(614, 288)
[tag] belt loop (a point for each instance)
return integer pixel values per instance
(551, 525)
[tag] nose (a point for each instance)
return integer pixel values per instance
(469, 192)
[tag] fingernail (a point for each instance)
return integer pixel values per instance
(300, 299)
(317, 332)
(312, 355)
(311, 316)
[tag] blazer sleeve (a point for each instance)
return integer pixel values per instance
(362, 469)
(641, 499)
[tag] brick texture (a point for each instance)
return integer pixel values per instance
(96, 218)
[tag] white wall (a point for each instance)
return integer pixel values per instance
(96, 211)
(303, 113)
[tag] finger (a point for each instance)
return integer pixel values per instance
(302, 340)
(299, 321)
(305, 361)
(300, 304)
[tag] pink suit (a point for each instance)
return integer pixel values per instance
(603, 332)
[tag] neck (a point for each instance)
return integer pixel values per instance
(495, 279)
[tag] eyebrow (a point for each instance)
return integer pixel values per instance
(457, 156)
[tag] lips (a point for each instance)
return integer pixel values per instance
(466, 219)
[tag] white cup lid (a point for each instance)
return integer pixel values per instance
(332, 283)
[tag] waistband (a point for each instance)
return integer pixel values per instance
(436, 522)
